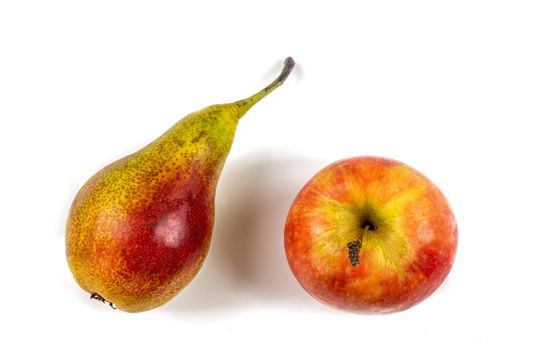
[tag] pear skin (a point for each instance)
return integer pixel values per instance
(139, 230)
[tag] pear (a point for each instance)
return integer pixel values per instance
(139, 230)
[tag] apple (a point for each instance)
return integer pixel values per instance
(370, 235)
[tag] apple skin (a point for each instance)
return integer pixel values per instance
(408, 235)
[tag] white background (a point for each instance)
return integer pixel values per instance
(447, 87)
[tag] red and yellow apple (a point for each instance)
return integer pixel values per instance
(370, 235)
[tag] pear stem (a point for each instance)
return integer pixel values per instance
(245, 104)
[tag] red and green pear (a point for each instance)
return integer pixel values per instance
(139, 230)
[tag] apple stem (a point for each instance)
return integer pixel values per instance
(98, 297)
(353, 248)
